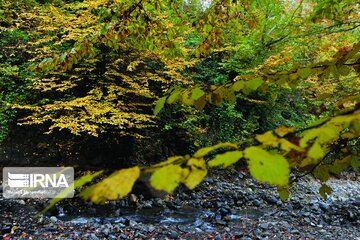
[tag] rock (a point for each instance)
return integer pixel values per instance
(117, 212)
(295, 231)
(106, 231)
(264, 226)
(53, 219)
(133, 199)
(257, 203)
(173, 234)
(147, 205)
(158, 202)
(286, 225)
(151, 228)
(6, 229)
(324, 206)
(221, 222)
(123, 236)
(93, 236)
(217, 237)
(132, 223)
(223, 211)
(21, 202)
(271, 200)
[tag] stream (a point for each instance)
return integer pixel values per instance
(185, 218)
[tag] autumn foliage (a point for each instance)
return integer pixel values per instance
(121, 66)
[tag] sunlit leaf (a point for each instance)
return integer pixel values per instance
(316, 152)
(267, 139)
(117, 185)
(197, 93)
(267, 167)
(174, 96)
(206, 150)
(281, 131)
(198, 171)
(254, 84)
(166, 178)
(226, 159)
(159, 105)
(304, 72)
(238, 85)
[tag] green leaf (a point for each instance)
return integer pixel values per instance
(117, 185)
(237, 86)
(267, 167)
(325, 190)
(198, 171)
(206, 150)
(316, 152)
(304, 72)
(283, 193)
(355, 162)
(340, 165)
(322, 173)
(166, 178)
(174, 96)
(197, 93)
(226, 159)
(355, 126)
(159, 105)
(254, 84)
(200, 103)
(208, 28)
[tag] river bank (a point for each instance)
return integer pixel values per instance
(227, 206)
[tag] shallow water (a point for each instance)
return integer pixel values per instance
(187, 218)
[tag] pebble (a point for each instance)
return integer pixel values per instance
(173, 234)
(53, 219)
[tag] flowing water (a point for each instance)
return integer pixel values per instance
(185, 218)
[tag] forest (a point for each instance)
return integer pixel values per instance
(183, 119)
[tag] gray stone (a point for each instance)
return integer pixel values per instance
(53, 219)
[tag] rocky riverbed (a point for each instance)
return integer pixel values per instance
(230, 206)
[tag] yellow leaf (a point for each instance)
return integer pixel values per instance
(166, 178)
(168, 161)
(226, 159)
(198, 171)
(283, 130)
(206, 150)
(316, 152)
(268, 139)
(117, 185)
(267, 167)
(287, 146)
